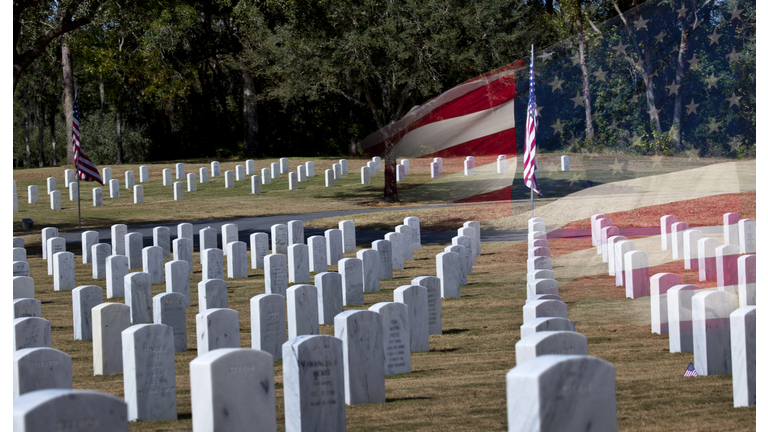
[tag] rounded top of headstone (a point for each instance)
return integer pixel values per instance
(388, 306)
(730, 218)
(544, 297)
(553, 334)
(170, 296)
(683, 287)
(267, 297)
(147, 329)
(49, 401)
(31, 320)
(355, 315)
(47, 351)
(743, 311)
(220, 312)
(560, 363)
(728, 249)
(247, 355)
(666, 278)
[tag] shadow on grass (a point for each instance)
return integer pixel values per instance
(407, 399)
(444, 350)
(454, 331)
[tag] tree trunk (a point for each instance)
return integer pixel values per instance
(353, 142)
(101, 93)
(53, 135)
(390, 173)
(677, 118)
(119, 124)
(584, 75)
(26, 134)
(250, 118)
(40, 132)
(69, 95)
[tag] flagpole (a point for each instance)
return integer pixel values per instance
(78, 202)
(531, 202)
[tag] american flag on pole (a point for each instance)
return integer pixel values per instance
(86, 170)
(691, 371)
(531, 124)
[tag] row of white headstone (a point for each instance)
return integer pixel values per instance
(414, 307)
(702, 321)
(554, 376)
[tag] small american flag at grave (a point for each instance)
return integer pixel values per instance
(690, 372)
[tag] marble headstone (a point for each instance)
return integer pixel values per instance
(301, 301)
(361, 334)
(268, 328)
(149, 372)
(330, 300)
(275, 274)
(84, 299)
(217, 328)
(40, 368)
(169, 309)
(177, 279)
(52, 409)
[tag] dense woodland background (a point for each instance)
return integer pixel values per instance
(174, 79)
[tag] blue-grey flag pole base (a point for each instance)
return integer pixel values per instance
(78, 202)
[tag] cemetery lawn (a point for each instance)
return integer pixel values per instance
(460, 383)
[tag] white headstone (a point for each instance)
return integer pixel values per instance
(400, 170)
(149, 372)
(310, 168)
(229, 233)
(31, 332)
(215, 169)
(691, 239)
(109, 320)
(23, 287)
(129, 180)
(268, 330)
(212, 260)
(544, 308)
(550, 342)
(384, 248)
(447, 263)
(711, 312)
(318, 262)
(20, 268)
(415, 296)
(180, 171)
(177, 279)
(168, 308)
(143, 174)
(55, 200)
(747, 268)
(334, 246)
(51, 184)
(275, 170)
(161, 236)
(85, 298)
(204, 176)
(134, 243)
(565, 163)
(182, 251)
(398, 261)
(266, 176)
(434, 302)
(337, 171)
(293, 181)
(707, 259)
(74, 192)
(546, 324)
(298, 263)
(52, 409)
(414, 223)
(396, 336)
(301, 170)
(660, 284)
(239, 172)
(250, 167)
(329, 178)
(747, 236)
(38, 369)
(637, 280)
(27, 307)
(114, 188)
(731, 229)
(349, 240)
(295, 232)
(63, 271)
(744, 355)
(208, 238)
(351, 270)
(259, 249)
(666, 231)
(371, 269)
(330, 299)
(301, 301)
(406, 241)
(178, 191)
(275, 274)
(217, 328)
(255, 184)
(237, 260)
(679, 317)
(116, 270)
(365, 175)
(191, 182)
(212, 294)
(167, 177)
(434, 170)
(361, 334)
(138, 296)
(279, 239)
(20, 254)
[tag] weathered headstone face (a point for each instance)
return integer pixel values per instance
(280, 239)
(204, 176)
(680, 318)
(87, 240)
(63, 271)
(396, 336)
(161, 236)
(40, 368)
(116, 269)
(415, 225)
(182, 251)
(406, 241)
(726, 261)
(255, 184)
(544, 308)
(660, 284)
(539, 263)
(266, 176)
(217, 328)
(69, 177)
(361, 334)
(747, 236)
(215, 168)
(74, 192)
(691, 238)
(20, 268)
(84, 299)
(237, 260)
(707, 259)
(398, 257)
(542, 286)
(384, 248)
(32, 194)
(464, 261)
(747, 269)
(212, 294)
(293, 181)
(167, 177)
(621, 248)
(114, 188)
(31, 332)
(178, 191)
(711, 332)
(143, 174)
(233, 389)
(212, 260)
(191, 182)
(637, 279)
(259, 249)
(268, 331)
(298, 263)
(415, 296)
(134, 243)
(119, 232)
(349, 239)
(55, 245)
(109, 320)
(47, 233)
(229, 233)
(275, 274)
(149, 372)
(731, 229)
(310, 168)
(23, 287)
(50, 409)
(98, 197)
(27, 307)
(330, 300)
(550, 342)
(351, 270)
(371, 271)
(310, 401)
(562, 392)
(333, 246)
(138, 296)
(19, 254)
(240, 172)
(434, 302)
(169, 309)
(208, 239)
(546, 324)
(275, 170)
(447, 263)
(318, 261)
(744, 355)
(177, 279)
(129, 180)
(302, 310)
(329, 178)
(56, 200)
(295, 232)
